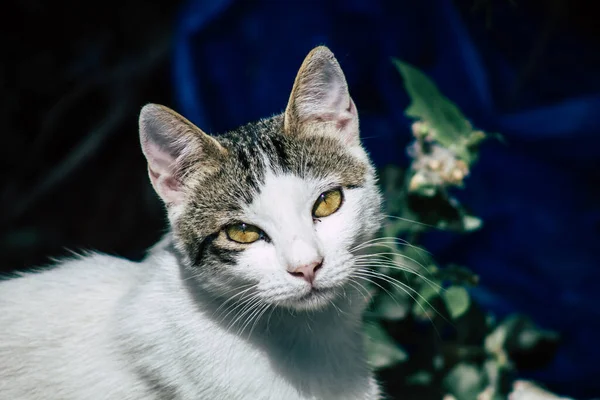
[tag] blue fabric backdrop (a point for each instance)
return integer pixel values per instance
(539, 195)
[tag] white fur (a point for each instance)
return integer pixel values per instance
(85, 329)
(283, 209)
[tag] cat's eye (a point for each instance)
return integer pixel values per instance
(244, 233)
(328, 203)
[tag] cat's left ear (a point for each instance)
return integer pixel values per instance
(173, 146)
(320, 99)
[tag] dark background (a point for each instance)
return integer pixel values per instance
(74, 76)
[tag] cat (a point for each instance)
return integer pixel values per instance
(249, 296)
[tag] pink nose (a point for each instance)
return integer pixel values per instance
(307, 271)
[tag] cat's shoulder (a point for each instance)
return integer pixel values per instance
(93, 274)
(77, 266)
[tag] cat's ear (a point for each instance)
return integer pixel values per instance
(172, 145)
(320, 96)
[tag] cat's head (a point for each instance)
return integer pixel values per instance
(272, 210)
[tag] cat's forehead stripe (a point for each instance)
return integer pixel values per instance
(316, 156)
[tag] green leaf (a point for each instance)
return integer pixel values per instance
(381, 348)
(464, 381)
(450, 127)
(428, 292)
(458, 275)
(420, 378)
(391, 308)
(440, 119)
(457, 300)
(471, 223)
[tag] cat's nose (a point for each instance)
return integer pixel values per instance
(307, 271)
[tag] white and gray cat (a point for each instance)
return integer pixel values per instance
(250, 295)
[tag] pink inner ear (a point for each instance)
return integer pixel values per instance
(329, 101)
(347, 116)
(172, 185)
(159, 160)
(168, 187)
(161, 169)
(344, 121)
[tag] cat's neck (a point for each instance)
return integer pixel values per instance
(343, 312)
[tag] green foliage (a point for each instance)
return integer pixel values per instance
(382, 348)
(456, 347)
(457, 301)
(445, 122)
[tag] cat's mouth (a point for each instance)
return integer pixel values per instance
(317, 292)
(315, 298)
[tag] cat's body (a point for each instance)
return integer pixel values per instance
(249, 297)
(171, 348)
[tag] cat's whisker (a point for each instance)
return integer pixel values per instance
(367, 278)
(412, 221)
(391, 264)
(360, 289)
(385, 263)
(385, 256)
(382, 260)
(393, 247)
(252, 317)
(388, 240)
(239, 291)
(243, 295)
(255, 318)
(267, 324)
(374, 267)
(253, 302)
(339, 310)
(405, 288)
(240, 305)
(395, 242)
(344, 293)
(232, 310)
(380, 286)
(380, 263)
(400, 285)
(260, 316)
(231, 298)
(381, 238)
(248, 305)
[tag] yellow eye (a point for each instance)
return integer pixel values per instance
(243, 233)
(328, 203)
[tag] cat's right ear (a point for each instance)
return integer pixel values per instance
(172, 145)
(320, 101)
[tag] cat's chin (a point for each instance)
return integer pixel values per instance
(314, 300)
